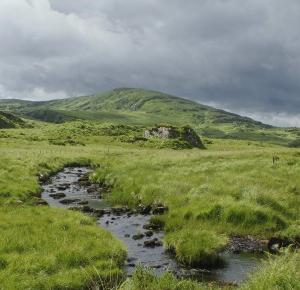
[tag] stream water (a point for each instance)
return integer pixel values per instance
(64, 190)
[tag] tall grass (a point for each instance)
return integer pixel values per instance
(144, 279)
(231, 188)
(281, 273)
(45, 248)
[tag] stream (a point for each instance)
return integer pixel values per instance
(144, 246)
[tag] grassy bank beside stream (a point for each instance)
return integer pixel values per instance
(46, 248)
(232, 188)
(280, 273)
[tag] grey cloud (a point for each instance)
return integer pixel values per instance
(240, 55)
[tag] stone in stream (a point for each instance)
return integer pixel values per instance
(275, 243)
(83, 202)
(130, 259)
(93, 188)
(247, 244)
(159, 209)
(57, 195)
(144, 209)
(69, 200)
(153, 243)
(107, 211)
(138, 236)
(131, 265)
(87, 209)
(154, 226)
(99, 212)
(119, 210)
(149, 233)
(63, 186)
(85, 180)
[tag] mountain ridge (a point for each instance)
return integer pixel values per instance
(123, 100)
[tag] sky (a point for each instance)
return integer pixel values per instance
(242, 56)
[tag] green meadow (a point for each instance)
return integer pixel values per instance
(245, 182)
(231, 188)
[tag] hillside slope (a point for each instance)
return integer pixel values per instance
(8, 120)
(145, 107)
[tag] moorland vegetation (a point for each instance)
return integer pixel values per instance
(236, 186)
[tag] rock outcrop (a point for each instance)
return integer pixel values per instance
(184, 134)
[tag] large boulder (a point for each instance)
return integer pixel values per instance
(185, 134)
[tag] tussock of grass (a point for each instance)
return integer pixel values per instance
(196, 247)
(45, 248)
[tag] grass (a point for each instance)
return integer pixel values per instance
(45, 248)
(232, 188)
(198, 248)
(144, 279)
(233, 191)
(282, 273)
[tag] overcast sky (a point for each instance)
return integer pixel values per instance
(243, 56)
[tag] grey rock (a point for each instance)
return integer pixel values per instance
(138, 236)
(57, 195)
(152, 243)
(69, 200)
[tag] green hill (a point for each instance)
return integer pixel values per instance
(8, 120)
(135, 105)
(145, 107)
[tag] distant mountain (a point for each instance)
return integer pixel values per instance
(135, 105)
(8, 120)
(146, 107)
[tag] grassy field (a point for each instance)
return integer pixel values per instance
(232, 187)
